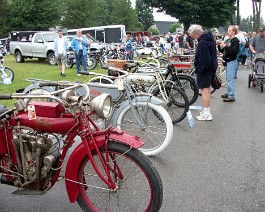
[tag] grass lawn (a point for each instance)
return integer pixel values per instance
(33, 68)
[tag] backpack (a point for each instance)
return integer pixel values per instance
(247, 43)
(241, 50)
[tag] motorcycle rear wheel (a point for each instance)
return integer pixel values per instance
(139, 179)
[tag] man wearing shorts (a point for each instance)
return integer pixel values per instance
(205, 64)
(60, 47)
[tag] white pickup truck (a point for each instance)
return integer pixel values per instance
(33, 45)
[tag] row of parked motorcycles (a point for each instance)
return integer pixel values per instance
(120, 118)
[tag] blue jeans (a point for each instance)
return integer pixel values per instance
(230, 77)
(80, 57)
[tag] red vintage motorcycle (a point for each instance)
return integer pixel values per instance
(105, 172)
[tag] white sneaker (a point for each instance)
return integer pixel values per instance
(78, 74)
(204, 117)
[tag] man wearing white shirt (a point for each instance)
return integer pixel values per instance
(60, 47)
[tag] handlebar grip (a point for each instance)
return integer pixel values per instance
(5, 96)
(84, 72)
(43, 84)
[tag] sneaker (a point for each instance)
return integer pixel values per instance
(204, 117)
(78, 74)
(224, 95)
(228, 99)
(63, 75)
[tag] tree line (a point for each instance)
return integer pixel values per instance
(43, 14)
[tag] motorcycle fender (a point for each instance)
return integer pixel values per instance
(71, 172)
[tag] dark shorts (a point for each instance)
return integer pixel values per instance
(204, 79)
(61, 59)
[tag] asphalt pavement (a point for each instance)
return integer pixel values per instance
(215, 166)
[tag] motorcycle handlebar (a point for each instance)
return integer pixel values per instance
(5, 96)
(43, 84)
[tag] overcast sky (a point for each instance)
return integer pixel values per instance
(245, 11)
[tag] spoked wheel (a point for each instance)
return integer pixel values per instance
(178, 104)
(91, 63)
(69, 63)
(157, 130)
(138, 185)
(188, 84)
(7, 73)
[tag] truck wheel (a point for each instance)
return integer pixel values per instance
(19, 57)
(51, 59)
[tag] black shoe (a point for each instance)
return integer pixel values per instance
(63, 75)
(224, 95)
(228, 99)
(235, 77)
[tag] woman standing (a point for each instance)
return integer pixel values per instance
(230, 50)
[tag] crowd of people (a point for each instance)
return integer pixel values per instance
(236, 48)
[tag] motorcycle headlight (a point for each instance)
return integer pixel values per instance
(102, 105)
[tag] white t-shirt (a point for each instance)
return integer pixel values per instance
(240, 37)
(61, 45)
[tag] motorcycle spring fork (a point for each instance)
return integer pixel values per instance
(109, 181)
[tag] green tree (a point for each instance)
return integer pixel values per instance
(208, 13)
(4, 17)
(102, 13)
(153, 31)
(123, 13)
(35, 14)
(80, 13)
(174, 26)
(145, 14)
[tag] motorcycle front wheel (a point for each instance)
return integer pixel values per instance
(7, 73)
(138, 184)
(91, 63)
(69, 63)
(158, 128)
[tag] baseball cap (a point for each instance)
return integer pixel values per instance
(262, 29)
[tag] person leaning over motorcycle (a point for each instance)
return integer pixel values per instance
(79, 45)
(128, 47)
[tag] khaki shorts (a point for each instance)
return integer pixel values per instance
(61, 59)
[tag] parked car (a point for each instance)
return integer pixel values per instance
(33, 44)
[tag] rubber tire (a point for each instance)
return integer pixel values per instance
(51, 59)
(69, 63)
(93, 65)
(19, 57)
(143, 162)
(11, 74)
(163, 117)
(192, 82)
(184, 105)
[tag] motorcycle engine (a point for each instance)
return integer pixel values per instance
(39, 151)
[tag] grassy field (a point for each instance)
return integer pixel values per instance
(33, 68)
